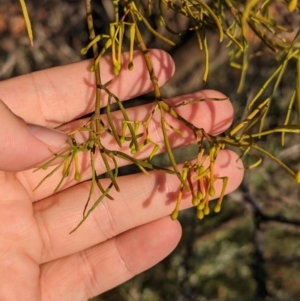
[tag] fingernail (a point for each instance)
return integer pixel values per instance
(49, 136)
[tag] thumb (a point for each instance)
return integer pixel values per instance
(22, 145)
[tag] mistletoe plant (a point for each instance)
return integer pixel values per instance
(237, 23)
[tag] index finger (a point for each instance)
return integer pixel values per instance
(58, 95)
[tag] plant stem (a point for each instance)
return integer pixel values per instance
(92, 35)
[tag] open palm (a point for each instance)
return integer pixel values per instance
(39, 259)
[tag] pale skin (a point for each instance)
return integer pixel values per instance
(39, 259)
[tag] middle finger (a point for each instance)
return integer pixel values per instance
(213, 116)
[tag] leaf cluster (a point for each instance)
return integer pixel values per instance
(249, 29)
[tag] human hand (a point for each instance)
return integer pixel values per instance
(121, 238)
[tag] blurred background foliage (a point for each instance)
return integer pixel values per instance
(248, 251)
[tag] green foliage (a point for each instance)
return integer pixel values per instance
(250, 29)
